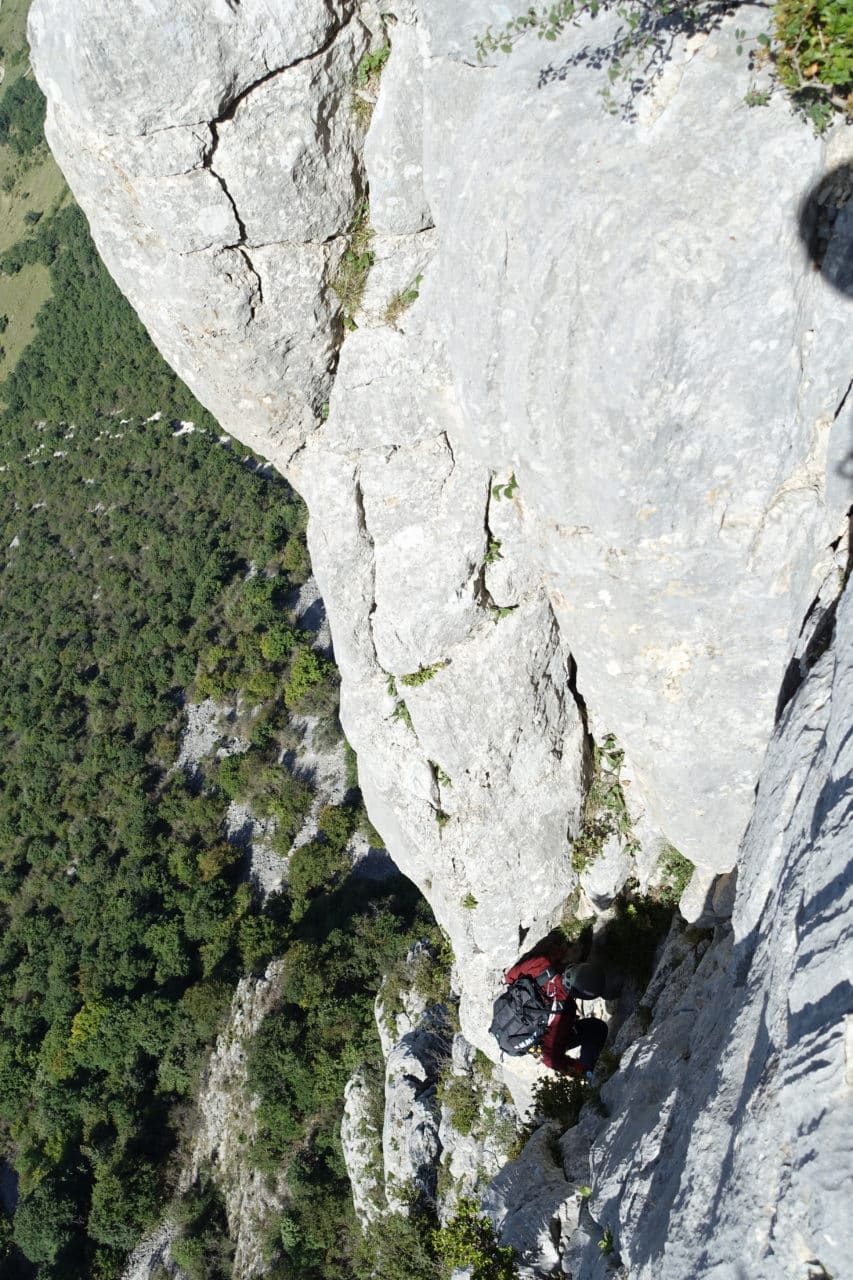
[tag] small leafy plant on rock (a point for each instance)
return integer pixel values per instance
(464, 1101)
(676, 871)
(493, 551)
(350, 278)
(505, 490)
(402, 301)
(401, 712)
(605, 810)
(365, 88)
(419, 677)
(808, 51)
(499, 611)
(813, 55)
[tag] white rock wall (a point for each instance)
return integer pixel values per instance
(622, 315)
(223, 214)
(728, 1151)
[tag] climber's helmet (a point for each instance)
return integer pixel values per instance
(585, 980)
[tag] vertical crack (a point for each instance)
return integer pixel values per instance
(481, 591)
(208, 164)
(240, 245)
(361, 521)
(227, 112)
(843, 401)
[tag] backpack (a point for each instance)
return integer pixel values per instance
(522, 1012)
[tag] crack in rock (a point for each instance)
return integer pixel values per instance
(842, 402)
(227, 112)
(361, 521)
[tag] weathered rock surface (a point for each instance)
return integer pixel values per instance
(152, 115)
(531, 1203)
(151, 1256)
(410, 1141)
(732, 1120)
(227, 1125)
(621, 316)
(361, 1142)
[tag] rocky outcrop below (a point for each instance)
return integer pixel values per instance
(438, 1125)
(227, 1125)
(581, 465)
(390, 1130)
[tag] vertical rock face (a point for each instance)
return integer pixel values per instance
(732, 1120)
(622, 315)
(602, 451)
(220, 195)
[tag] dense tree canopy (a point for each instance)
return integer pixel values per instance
(143, 564)
(125, 918)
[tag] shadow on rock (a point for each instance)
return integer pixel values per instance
(635, 56)
(826, 228)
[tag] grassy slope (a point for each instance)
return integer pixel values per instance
(35, 185)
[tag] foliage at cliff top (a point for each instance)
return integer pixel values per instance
(808, 47)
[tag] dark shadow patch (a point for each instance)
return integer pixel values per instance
(826, 228)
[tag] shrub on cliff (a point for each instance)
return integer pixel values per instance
(809, 45)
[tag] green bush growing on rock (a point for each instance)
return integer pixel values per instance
(278, 642)
(463, 1099)
(493, 551)
(366, 83)
(605, 1244)
(289, 805)
(809, 50)
(419, 677)
(311, 686)
(401, 712)
(629, 941)
(676, 871)
(469, 1241)
(813, 54)
(402, 301)
(605, 810)
(399, 1247)
(560, 1098)
(316, 866)
(350, 279)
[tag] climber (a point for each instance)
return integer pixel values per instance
(539, 1014)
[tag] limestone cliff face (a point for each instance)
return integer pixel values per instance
(593, 477)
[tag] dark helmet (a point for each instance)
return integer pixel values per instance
(585, 980)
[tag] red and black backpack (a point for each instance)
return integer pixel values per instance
(522, 1013)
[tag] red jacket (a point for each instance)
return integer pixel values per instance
(556, 1041)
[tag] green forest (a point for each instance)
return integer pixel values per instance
(141, 569)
